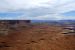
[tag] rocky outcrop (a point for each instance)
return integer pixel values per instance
(5, 25)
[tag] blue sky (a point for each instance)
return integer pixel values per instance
(71, 13)
(37, 9)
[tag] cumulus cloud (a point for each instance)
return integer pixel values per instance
(66, 8)
(22, 4)
(37, 9)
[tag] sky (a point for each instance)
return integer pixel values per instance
(37, 9)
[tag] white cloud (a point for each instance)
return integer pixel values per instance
(56, 6)
(43, 17)
(66, 7)
(22, 4)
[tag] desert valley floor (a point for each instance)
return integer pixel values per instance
(38, 37)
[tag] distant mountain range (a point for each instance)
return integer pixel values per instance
(33, 21)
(60, 22)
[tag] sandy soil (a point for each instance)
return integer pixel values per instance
(40, 37)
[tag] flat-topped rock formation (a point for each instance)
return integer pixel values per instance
(5, 25)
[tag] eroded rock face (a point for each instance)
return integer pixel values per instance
(5, 25)
(4, 28)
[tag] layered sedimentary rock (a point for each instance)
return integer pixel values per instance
(5, 25)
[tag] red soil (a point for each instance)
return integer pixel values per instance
(42, 37)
